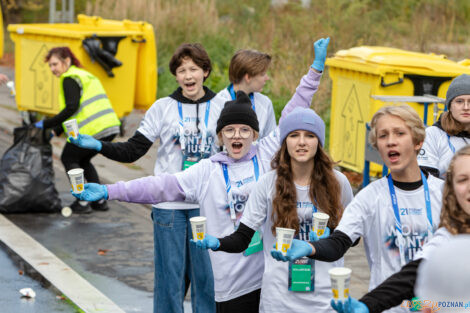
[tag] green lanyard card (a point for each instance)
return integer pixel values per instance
(256, 244)
(302, 275)
(187, 163)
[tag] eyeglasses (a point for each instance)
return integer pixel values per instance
(461, 102)
(229, 132)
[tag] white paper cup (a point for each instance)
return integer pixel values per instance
(340, 278)
(72, 128)
(76, 179)
(284, 238)
(11, 86)
(198, 226)
(320, 220)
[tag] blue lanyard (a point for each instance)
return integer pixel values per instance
(398, 226)
(206, 117)
(181, 123)
(228, 187)
(451, 146)
(232, 94)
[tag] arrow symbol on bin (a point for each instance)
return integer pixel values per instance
(42, 82)
(353, 119)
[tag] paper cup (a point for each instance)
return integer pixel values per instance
(72, 128)
(340, 277)
(11, 86)
(76, 179)
(198, 226)
(320, 220)
(284, 238)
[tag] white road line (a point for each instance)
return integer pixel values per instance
(60, 275)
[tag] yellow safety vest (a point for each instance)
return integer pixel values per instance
(95, 115)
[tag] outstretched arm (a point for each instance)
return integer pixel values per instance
(392, 292)
(127, 152)
(150, 190)
(309, 83)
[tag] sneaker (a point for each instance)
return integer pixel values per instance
(100, 205)
(78, 208)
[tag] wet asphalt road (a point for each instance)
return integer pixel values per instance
(124, 272)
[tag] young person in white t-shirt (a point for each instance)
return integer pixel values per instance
(184, 124)
(455, 220)
(393, 231)
(248, 72)
(303, 182)
(221, 186)
(451, 132)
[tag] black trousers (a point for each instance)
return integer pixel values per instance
(76, 157)
(248, 303)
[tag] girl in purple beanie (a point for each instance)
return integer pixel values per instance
(303, 182)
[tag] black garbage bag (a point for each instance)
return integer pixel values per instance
(27, 175)
(103, 50)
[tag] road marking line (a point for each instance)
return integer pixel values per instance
(60, 275)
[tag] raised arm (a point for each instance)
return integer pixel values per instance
(309, 83)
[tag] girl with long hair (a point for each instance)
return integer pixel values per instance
(451, 132)
(302, 182)
(455, 220)
(397, 214)
(221, 185)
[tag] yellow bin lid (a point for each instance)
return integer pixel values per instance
(378, 60)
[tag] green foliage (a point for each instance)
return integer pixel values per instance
(287, 33)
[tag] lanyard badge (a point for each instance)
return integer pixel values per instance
(183, 135)
(256, 243)
(301, 276)
(228, 189)
(398, 225)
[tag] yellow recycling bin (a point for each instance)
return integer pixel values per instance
(362, 72)
(100, 45)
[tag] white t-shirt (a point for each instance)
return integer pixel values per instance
(441, 237)
(437, 149)
(263, 108)
(234, 274)
(162, 121)
(275, 296)
(370, 215)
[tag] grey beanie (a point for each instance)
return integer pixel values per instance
(459, 86)
(303, 119)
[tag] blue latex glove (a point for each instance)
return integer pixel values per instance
(320, 46)
(87, 142)
(298, 249)
(276, 254)
(209, 242)
(39, 124)
(92, 192)
(314, 237)
(349, 306)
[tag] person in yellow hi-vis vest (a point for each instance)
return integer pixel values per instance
(81, 97)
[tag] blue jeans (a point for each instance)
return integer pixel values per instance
(175, 259)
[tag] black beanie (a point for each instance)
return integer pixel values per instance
(238, 111)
